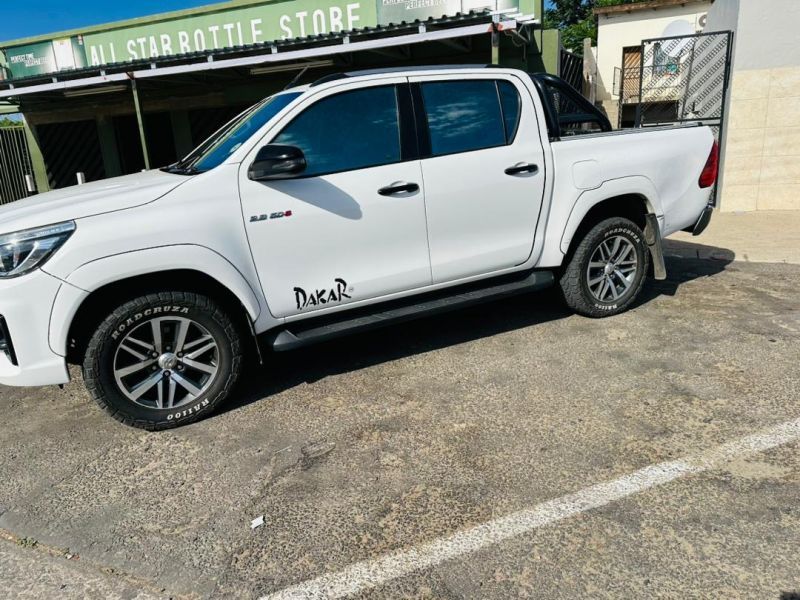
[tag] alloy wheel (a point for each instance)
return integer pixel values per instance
(612, 269)
(166, 362)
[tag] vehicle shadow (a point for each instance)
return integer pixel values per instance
(286, 370)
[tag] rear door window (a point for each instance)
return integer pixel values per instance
(464, 116)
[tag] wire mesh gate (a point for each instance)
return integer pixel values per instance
(15, 164)
(684, 79)
(681, 79)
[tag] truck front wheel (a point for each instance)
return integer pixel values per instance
(163, 360)
(607, 270)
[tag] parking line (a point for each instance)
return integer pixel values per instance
(372, 573)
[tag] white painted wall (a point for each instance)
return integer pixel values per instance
(619, 30)
(761, 145)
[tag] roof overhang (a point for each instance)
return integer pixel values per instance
(643, 5)
(266, 54)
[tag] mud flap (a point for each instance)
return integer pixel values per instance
(652, 235)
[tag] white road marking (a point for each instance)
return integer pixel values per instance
(372, 573)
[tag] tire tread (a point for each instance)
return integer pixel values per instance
(91, 365)
(571, 281)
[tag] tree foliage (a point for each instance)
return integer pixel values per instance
(574, 19)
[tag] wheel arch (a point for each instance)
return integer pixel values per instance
(633, 200)
(113, 280)
(98, 304)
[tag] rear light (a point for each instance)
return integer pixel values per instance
(709, 175)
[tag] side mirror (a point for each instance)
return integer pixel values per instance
(276, 161)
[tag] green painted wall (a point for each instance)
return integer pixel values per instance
(37, 160)
(551, 50)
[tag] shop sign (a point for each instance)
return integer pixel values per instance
(399, 11)
(231, 28)
(45, 57)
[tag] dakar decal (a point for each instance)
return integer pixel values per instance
(305, 299)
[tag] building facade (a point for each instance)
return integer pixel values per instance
(620, 31)
(118, 98)
(761, 159)
(760, 133)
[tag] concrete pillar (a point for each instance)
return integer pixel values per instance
(108, 147)
(37, 159)
(140, 121)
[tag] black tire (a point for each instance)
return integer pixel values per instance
(575, 279)
(207, 320)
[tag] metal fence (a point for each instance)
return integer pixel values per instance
(15, 164)
(684, 79)
(571, 69)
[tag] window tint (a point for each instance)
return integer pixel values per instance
(512, 108)
(227, 140)
(352, 130)
(463, 116)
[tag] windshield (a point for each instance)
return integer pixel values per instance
(227, 140)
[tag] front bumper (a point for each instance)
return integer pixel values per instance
(25, 305)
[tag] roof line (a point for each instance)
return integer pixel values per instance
(642, 5)
(275, 47)
(145, 72)
(144, 20)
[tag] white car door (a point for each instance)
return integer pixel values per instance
(484, 172)
(352, 226)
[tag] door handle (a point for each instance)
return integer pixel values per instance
(398, 187)
(522, 168)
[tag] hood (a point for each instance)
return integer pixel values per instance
(87, 200)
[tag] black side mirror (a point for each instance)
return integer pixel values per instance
(276, 161)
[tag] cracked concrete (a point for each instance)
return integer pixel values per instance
(383, 441)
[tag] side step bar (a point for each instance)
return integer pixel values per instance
(304, 333)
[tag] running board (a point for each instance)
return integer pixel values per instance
(304, 333)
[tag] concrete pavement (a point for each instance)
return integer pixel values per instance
(386, 442)
(758, 236)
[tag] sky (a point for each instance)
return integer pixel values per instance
(23, 19)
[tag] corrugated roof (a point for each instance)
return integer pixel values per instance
(275, 47)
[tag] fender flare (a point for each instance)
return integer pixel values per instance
(96, 274)
(626, 186)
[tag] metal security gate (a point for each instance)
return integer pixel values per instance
(684, 79)
(681, 79)
(15, 164)
(570, 69)
(626, 84)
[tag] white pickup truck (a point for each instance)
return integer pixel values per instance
(361, 200)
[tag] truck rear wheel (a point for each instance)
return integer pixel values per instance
(607, 270)
(163, 360)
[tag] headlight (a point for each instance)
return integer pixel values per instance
(23, 251)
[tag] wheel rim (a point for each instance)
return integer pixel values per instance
(612, 269)
(166, 362)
